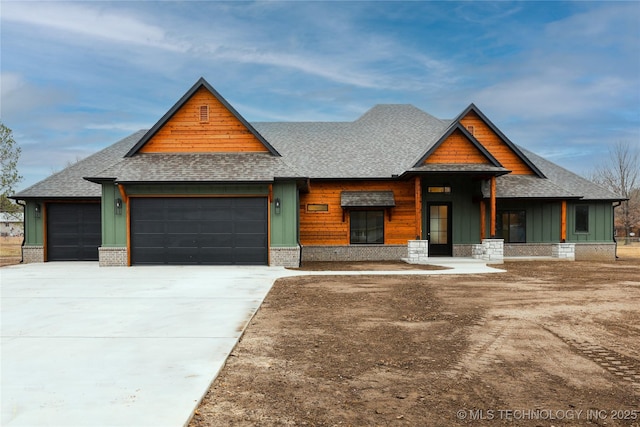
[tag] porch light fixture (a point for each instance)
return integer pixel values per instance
(118, 206)
(277, 205)
(37, 210)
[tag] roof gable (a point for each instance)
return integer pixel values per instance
(495, 142)
(202, 121)
(457, 146)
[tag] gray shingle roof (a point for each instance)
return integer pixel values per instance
(460, 168)
(569, 181)
(385, 141)
(69, 182)
(358, 199)
(205, 167)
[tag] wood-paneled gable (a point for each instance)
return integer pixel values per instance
(328, 228)
(203, 125)
(457, 149)
(495, 145)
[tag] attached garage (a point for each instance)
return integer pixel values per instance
(73, 231)
(199, 230)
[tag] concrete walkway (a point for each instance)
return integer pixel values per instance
(88, 346)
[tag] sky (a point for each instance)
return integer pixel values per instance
(561, 79)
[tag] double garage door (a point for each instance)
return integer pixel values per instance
(199, 230)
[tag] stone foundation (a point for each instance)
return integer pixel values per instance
(528, 249)
(564, 251)
(490, 250)
(112, 257)
(284, 257)
(595, 251)
(31, 254)
(418, 252)
(354, 253)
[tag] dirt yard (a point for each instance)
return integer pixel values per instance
(545, 344)
(10, 250)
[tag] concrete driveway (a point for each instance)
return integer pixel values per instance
(88, 346)
(83, 345)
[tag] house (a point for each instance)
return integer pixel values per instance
(205, 186)
(11, 224)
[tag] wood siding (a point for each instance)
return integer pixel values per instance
(328, 228)
(495, 145)
(457, 149)
(186, 133)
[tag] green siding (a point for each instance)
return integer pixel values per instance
(196, 189)
(284, 225)
(465, 196)
(600, 222)
(34, 229)
(114, 225)
(543, 218)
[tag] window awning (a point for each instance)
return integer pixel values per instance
(367, 199)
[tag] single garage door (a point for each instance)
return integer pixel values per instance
(199, 230)
(74, 231)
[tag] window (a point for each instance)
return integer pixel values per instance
(442, 189)
(367, 227)
(204, 113)
(582, 218)
(471, 129)
(512, 226)
(317, 207)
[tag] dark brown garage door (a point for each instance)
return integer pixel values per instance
(73, 231)
(211, 231)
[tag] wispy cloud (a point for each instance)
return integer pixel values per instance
(93, 21)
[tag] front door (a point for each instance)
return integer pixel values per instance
(439, 228)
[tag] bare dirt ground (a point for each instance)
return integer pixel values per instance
(547, 343)
(10, 250)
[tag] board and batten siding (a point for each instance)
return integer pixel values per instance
(328, 228)
(600, 222)
(495, 145)
(185, 132)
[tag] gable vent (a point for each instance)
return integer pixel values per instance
(471, 129)
(204, 113)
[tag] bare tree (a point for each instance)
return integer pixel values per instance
(9, 177)
(621, 174)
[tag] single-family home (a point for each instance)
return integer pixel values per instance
(205, 186)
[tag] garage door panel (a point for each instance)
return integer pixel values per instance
(74, 231)
(199, 230)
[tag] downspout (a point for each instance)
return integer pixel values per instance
(614, 228)
(24, 230)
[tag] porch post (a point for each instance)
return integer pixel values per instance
(418, 201)
(492, 226)
(563, 221)
(483, 219)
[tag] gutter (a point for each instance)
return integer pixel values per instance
(614, 227)
(24, 231)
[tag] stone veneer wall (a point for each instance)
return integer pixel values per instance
(284, 257)
(31, 254)
(418, 252)
(595, 251)
(112, 257)
(528, 249)
(354, 253)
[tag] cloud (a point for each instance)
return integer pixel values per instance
(92, 22)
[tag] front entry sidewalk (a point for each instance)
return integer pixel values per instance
(88, 346)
